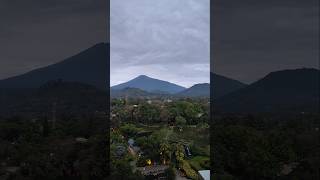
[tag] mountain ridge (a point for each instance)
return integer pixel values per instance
(150, 84)
(88, 66)
(278, 91)
(197, 90)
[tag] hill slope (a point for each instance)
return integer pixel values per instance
(89, 67)
(69, 97)
(293, 90)
(150, 84)
(223, 85)
(197, 90)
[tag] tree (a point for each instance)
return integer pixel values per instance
(129, 130)
(180, 121)
(179, 152)
(165, 152)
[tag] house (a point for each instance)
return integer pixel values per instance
(205, 174)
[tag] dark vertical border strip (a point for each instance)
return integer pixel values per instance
(108, 85)
(211, 85)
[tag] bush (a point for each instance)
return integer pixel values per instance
(185, 166)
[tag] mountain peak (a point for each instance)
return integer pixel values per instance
(149, 84)
(143, 77)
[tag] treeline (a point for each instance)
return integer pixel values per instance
(185, 111)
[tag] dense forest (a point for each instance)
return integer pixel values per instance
(163, 132)
(57, 131)
(265, 146)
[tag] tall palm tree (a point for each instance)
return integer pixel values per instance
(165, 152)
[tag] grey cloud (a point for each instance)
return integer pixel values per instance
(37, 33)
(166, 33)
(251, 39)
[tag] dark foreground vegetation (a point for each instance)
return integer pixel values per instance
(34, 149)
(266, 146)
(57, 131)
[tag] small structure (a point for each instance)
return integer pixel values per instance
(131, 142)
(205, 174)
(153, 170)
(199, 115)
(168, 100)
(187, 151)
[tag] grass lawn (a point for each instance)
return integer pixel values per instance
(200, 163)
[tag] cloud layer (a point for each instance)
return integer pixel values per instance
(37, 33)
(252, 38)
(165, 39)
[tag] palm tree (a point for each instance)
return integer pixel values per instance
(179, 152)
(165, 152)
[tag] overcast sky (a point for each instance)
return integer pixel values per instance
(252, 38)
(36, 33)
(164, 39)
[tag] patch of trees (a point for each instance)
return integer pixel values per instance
(263, 147)
(75, 148)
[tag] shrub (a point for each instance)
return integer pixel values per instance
(185, 166)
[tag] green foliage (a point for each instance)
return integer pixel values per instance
(165, 151)
(180, 121)
(191, 173)
(170, 173)
(258, 147)
(179, 152)
(200, 163)
(148, 113)
(121, 169)
(129, 130)
(41, 152)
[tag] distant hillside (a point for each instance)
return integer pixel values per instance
(150, 84)
(68, 97)
(198, 90)
(223, 85)
(287, 90)
(88, 67)
(129, 93)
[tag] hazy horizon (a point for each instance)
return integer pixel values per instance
(159, 79)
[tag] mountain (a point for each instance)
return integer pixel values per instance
(197, 90)
(223, 85)
(287, 90)
(150, 84)
(130, 93)
(88, 67)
